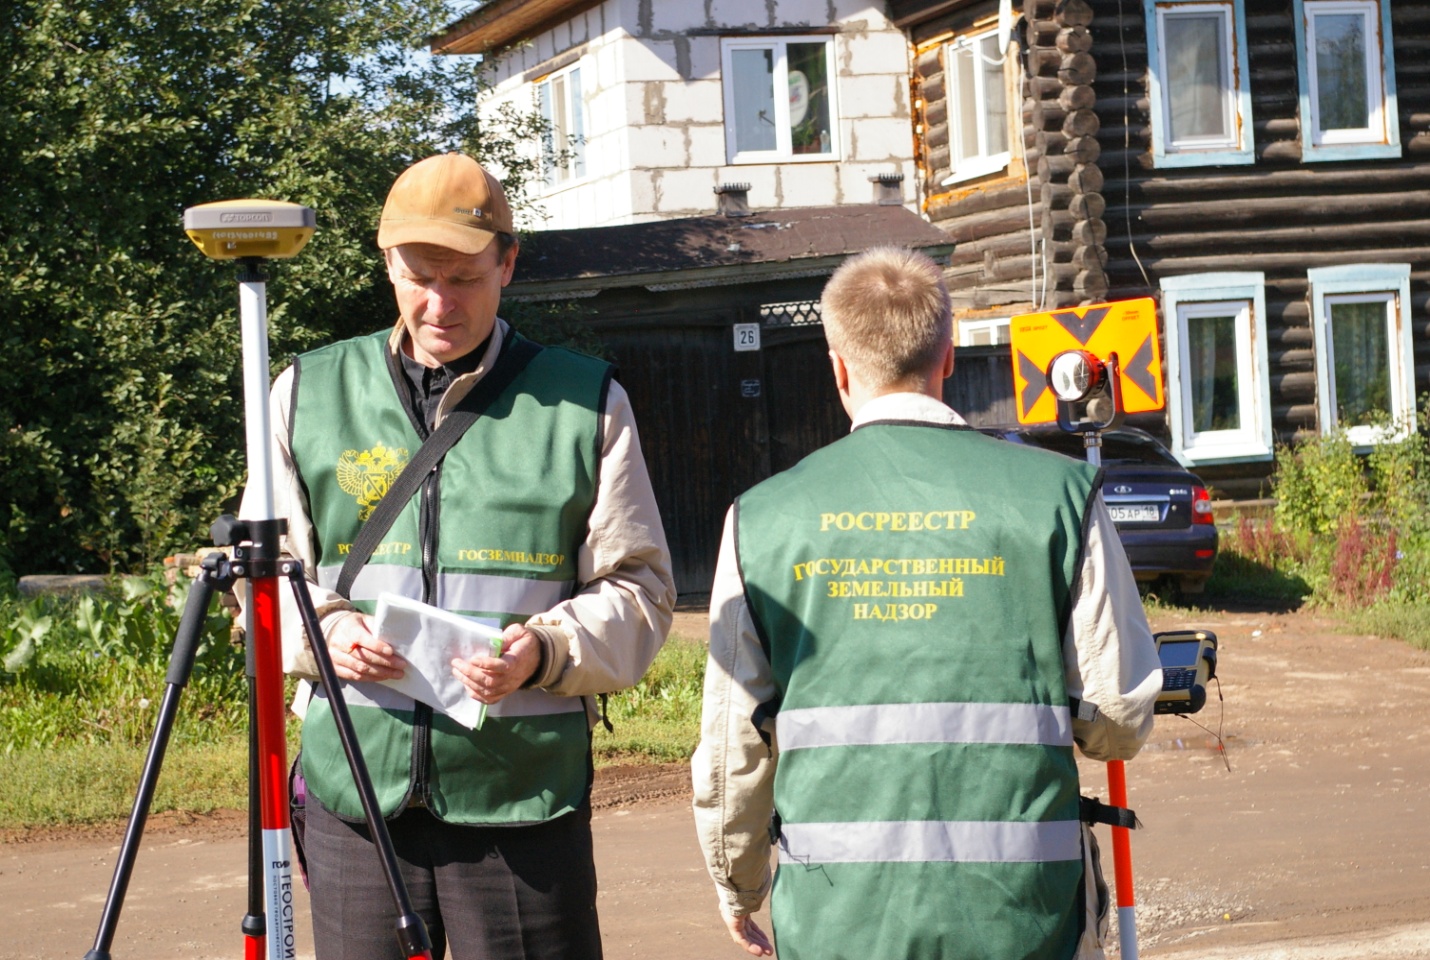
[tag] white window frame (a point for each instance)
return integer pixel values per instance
(1362, 283)
(575, 170)
(1214, 294)
(784, 150)
(1379, 140)
(996, 330)
(984, 163)
(1237, 149)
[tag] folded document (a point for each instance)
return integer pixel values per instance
(429, 640)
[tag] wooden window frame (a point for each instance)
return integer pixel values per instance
(1381, 140)
(1209, 294)
(784, 151)
(1365, 282)
(1236, 87)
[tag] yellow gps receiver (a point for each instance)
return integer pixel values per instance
(236, 229)
(1188, 662)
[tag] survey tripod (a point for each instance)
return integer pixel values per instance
(250, 231)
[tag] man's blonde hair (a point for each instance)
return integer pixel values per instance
(886, 312)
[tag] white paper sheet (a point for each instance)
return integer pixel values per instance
(429, 640)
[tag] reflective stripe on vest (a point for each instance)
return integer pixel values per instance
(931, 841)
(890, 723)
(455, 591)
(519, 703)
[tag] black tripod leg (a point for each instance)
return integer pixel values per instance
(255, 924)
(411, 931)
(181, 665)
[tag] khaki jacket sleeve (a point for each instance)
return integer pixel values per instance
(300, 542)
(605, 637)
(733, 770)
(1108, 653)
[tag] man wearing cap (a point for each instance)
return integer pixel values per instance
(540, 517)
(898, 626)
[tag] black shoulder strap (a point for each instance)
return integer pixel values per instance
(516, 353)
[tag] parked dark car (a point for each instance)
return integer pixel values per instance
(1162, 511)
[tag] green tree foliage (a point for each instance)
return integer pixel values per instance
(121, 416)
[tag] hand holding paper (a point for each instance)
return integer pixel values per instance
(430, 640)
(489, 679)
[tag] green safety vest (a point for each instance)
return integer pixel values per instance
(912, 584)
(493, 533)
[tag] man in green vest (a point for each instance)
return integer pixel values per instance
(899, 626)
(540, 519)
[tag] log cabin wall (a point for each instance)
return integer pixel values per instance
(1103, 222)
(1278, 215)
(992, 219)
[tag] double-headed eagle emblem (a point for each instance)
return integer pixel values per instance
(366, 475)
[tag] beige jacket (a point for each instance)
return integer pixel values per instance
(1108, 653)
(604, 637)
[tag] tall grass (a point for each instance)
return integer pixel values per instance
(81, 681)
(657, 720)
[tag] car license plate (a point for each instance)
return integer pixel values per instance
(1134, 513)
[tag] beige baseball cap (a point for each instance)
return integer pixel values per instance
(447, 200)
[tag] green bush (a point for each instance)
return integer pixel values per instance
(1355, 529)
(92, 670)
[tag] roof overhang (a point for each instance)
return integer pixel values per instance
(501, 23)
(694, 252)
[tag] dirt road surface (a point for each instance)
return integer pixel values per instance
(1315, 845)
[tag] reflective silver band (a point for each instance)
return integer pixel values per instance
(455, 591)
(521, 703)
(923, 723)
(376, 578)
(478, 591)
(930, 841)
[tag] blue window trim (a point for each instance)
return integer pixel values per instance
(1310, 153)
(1209, 288)
(1368, 278)
(1161, 158)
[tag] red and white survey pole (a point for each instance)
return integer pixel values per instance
(263, 627)
(251, 231)
(1076, 376)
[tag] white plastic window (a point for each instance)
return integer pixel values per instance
(977, 106)
(563, 150)
(1364, 368)
(1347, 80)
(798, 124)
(983, 332)
(1201, 103)
(1219, 396)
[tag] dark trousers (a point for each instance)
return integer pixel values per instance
(491, 893)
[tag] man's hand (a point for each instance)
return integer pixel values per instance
(745, 932)
(491, 678)
(359, 654)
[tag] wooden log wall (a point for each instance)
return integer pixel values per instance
(993, 220)
(1060, 135)
(1278, 215)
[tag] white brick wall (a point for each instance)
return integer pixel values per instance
(656, 140)
(686, 192)
(808, 184)
(694, 101)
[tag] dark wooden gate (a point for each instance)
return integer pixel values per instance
(714, 422)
